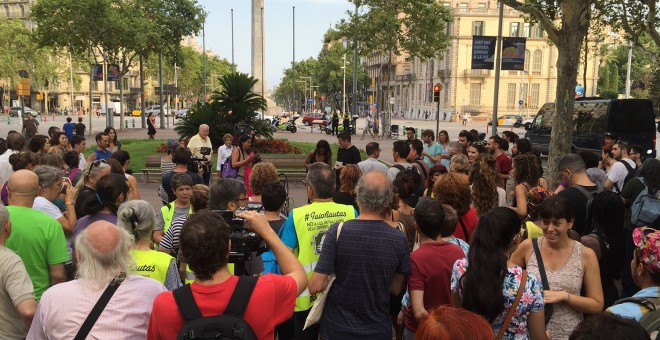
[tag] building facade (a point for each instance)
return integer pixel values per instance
(405, 86)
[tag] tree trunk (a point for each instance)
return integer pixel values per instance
(584, 69)
(121, 103)
(575, 26)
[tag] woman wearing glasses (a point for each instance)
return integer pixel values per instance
(86, 187)
(487, 283)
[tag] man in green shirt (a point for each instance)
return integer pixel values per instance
(36, 237)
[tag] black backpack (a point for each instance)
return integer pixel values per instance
(420, 180)
(589, 195)
(631, 173)
(228, 326)
(651, 320)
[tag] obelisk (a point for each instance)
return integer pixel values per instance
(258, 45)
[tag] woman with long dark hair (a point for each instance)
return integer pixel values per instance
(348, 179)
(124, 159)
(487, 283)
(526, 175)
(475, 149)
(435, 172)
(567, 267)
(322, 153)
(486, 195)
(59, 144)
(114, 144)
(151, 125)
(39, 144)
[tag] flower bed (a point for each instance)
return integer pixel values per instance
(274, 146)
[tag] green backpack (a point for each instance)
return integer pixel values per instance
(651, 320)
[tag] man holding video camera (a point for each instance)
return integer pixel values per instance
(195, 144)
(181, 158)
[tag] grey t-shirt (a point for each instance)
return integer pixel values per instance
(160, 222)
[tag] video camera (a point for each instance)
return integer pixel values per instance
(194, 164)
(244, 243)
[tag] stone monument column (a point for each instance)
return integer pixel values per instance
(257, 44)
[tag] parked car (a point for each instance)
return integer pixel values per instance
(267, 118)
(181, 113)
(155, 109)
(13, 111)
(136, 113)
(508, 120)
(629, 119)
(308, 118)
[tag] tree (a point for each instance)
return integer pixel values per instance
(654, 89)
(331, 75)
(284, 91)
(567, 24)
(233, 104)
(637, 18)
(120, 30)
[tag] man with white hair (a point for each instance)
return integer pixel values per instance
(370, 260)
(65, 310)
(17, 302)
(199, 141)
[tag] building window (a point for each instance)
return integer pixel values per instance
(526, 30)
(463, 7)
(477, 28)
(446, 4)
(475, 94)
(527, 56)
(124, 82)
(95, 86)
(511, 96)
(515, 29)
(534, 94)
(482, 6)
(536, 63)
(537, 31)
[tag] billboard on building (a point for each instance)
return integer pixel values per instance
(97, 72)
(483, 52)
(113, 72)
(513, 53)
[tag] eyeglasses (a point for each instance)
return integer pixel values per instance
(95, 163)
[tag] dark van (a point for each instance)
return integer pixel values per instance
(629, 119)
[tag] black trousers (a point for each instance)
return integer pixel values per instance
(311, 333)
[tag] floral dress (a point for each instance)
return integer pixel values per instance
(531, 301)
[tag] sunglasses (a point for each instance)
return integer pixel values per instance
(96, 163)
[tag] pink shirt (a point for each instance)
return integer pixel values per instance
(64, 307)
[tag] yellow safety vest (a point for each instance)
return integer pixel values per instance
(190, 275)
(168, 213)
(311, 222)
(150, 263)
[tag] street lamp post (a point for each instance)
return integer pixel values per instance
(312, 97)
(310, 87)
(304, 91)
(343, 90)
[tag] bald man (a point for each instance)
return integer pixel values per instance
(17, 302)
(36, 237)
(196, 143)
(102, 250)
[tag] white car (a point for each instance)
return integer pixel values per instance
(527, 123)
(156, 110)
(181, 113)
(267, 118)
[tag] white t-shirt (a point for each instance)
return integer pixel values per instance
(49, 208)
(83, 162)
(618, 173)
(224, 152)
(368, 123)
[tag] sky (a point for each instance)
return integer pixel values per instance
(312, 20)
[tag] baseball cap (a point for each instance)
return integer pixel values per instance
(647, 242)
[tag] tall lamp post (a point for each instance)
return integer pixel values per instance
(304, 92)
(310, 88)
(343, 90)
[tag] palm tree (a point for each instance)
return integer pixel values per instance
(233, 105)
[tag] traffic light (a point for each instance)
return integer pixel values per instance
(436, 93)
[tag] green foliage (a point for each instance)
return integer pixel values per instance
(654, 89)
(604, 79)
(638, 18)
(614, 77)
(609, 94)
(414, 26)
(233, 104)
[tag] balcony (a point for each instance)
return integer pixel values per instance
(476, 73)
(444, 73)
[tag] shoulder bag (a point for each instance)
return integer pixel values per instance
(544, 278)
(314, 315)
(514, 306)
(99, 307)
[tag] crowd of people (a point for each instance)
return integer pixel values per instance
(457, 239)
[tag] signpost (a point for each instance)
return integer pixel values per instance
(436, 98)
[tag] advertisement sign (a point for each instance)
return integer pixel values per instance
(579, 91)
(113, 72)
(98, 72)
(483, 52)
(513, 53)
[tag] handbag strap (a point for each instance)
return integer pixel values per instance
(99, 307)
(514, 306)
(465, 231)
(549, 309)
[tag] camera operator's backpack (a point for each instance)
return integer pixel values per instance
(651, 320)
(645, 210)
(228, 326)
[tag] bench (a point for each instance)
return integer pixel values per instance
(290, 165)
(152, 167)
